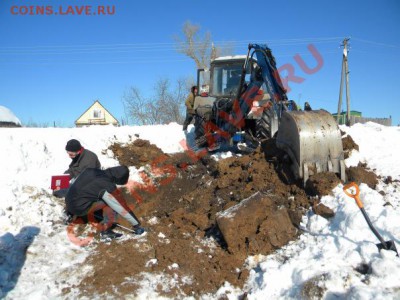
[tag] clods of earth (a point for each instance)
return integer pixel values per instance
(204, 218)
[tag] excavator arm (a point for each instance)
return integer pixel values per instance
(268, 72)
(263, 72)
(312, 139)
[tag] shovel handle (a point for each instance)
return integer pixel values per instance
(354, 186)
(355, 196)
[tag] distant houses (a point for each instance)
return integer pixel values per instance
(96, 114)
(7, 118)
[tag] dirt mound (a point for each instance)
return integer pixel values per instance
(361, 174)
(255, 225)
(137, 154)
(348, 146)
(321, 184)
(184, 200)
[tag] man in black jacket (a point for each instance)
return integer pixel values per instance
(96, 189)
(81, 159)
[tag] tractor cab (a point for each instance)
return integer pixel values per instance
(225, 75)
(221, 80)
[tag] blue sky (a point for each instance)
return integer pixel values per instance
(53, 67)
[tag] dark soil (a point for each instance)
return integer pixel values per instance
(361, 174)
(348, 145)
(203, 217)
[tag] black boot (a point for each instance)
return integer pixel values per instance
(108, 235)
(137, 229)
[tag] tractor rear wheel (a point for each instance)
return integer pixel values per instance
(264, 124)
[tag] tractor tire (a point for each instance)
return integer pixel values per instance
(264, 124)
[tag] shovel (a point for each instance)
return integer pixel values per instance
(387, 245)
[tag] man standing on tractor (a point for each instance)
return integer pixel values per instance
(307, 107)
(189, 102)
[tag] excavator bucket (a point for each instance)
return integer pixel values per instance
(312, 140)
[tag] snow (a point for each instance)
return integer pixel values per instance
(37, 259)
(231, 57)
(6, 115)
(379, 145)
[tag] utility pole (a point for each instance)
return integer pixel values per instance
(345, 76)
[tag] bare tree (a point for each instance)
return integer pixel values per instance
(200, 48)
(167, 103)
(136, 106)
(177, 110)
(165, 106)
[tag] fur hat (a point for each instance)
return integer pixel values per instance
(73, 146)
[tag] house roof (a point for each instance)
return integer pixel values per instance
(97, 101)
(7, 115)
(345, 112)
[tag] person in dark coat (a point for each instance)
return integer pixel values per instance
(81, 159)
(189, 102)
(307, 106)
(96, 189)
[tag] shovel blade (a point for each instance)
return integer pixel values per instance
(389, 245)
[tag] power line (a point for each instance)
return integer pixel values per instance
(141, 61)
(130, 48)
(376, 43)
(159, 46)
(136, 60)
(174, 43)
(153, 47)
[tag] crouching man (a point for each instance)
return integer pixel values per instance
(81, 159)
(96, 189)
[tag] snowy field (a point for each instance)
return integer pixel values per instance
(37, 260)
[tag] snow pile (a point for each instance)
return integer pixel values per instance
(334, 258)
(329, 254)
(378, 148)
(6, 115)
(34, 246)
(338, 258)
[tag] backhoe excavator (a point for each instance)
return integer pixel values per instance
(241, 100)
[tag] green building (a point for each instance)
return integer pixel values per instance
(356, 117)
(342, 116)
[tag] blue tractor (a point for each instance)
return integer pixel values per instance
(241, 101)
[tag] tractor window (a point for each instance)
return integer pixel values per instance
(226, 79)
(204, 82)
